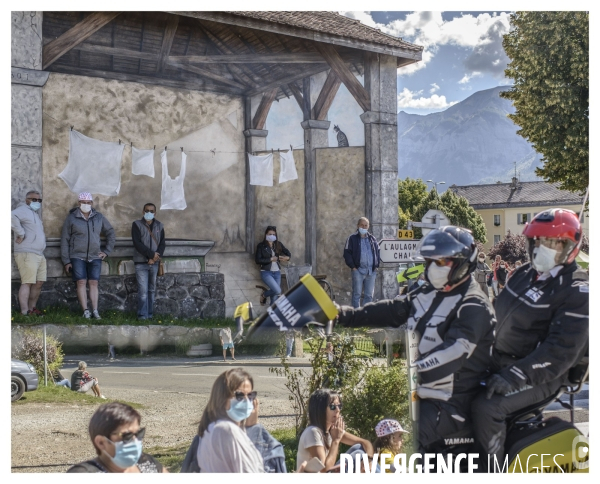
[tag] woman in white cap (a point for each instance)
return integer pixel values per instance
(389, 439)
(81, 250)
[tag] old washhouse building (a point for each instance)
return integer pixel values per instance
(205, 81)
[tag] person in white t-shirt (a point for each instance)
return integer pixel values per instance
(227, 342)
(326, 431)
(225, 445)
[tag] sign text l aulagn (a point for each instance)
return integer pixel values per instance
(391, 250)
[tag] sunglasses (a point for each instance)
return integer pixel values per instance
(127, 437)
(239, 396)
(35, 199)
(333, 406)
(442, 262)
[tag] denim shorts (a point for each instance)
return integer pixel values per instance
(86, 270)
(227, 346)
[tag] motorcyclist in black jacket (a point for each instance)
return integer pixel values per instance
(453, 323)
(542, 327)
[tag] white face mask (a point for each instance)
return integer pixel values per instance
(85, 208)
(544, 258)
(438, 276)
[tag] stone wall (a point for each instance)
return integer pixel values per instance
(179, 295)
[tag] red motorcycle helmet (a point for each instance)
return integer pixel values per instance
(560, 224)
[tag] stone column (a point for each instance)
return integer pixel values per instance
(315, 136)
(381, 160)
(27, 80)
(256, 140)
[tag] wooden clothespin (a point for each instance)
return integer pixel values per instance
(291, 149)
(165, 148)
(132, 144)
(154, 147)
(71, 128)
(182, 149)
(119, 141)
(214, 152)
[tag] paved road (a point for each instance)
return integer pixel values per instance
(171, 374)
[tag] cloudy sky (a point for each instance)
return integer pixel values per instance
(462, 54)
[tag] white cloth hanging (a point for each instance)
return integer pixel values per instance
(94, 166)
(171, 195)
(287, 169)
(261, 170)
(142, 162)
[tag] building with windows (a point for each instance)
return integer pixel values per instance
(509, 206)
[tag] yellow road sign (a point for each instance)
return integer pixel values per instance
(406, 234)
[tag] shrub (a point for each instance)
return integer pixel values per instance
(30, 348)
(383, 393)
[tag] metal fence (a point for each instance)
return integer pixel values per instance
(365, 346)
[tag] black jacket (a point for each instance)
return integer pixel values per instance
(352, 250)
(543, 326)
(501, 275)
(455, 332)
(263, 254)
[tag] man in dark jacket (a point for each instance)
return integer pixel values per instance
(81, 251)
(481, 273)
(361, 254)
(148, 236)
(451, 325)
(542, 330)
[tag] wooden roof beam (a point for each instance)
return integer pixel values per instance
(58, 47)
(209, 74)
(326, 96)
(221, 47)
(337, 64)
(297, 92)
(287, 79)
(260, 118)
(291, 58)
(167, 43)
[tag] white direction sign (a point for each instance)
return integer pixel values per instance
(394, 250)
(435, 217)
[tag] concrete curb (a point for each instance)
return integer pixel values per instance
(95, 360)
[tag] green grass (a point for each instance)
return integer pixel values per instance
(62, 395)
(287, 437)
(117, 318)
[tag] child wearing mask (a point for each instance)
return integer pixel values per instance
(389, 440)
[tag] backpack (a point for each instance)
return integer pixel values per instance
(190, 462)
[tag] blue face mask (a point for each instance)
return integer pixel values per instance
(271, 238)
(127, 454)
(239, 411)
(363, 231)
(35, 206)
(149, 216)
(420, 282)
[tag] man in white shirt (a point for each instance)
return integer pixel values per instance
(227, 342)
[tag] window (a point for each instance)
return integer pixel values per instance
(523, 218)
(496, 220)
(497, 239)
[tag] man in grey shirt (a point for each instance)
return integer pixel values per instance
(30, 242)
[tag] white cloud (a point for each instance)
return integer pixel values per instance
(434, 88)
(431, 31)
(408, 99)
(468, 77)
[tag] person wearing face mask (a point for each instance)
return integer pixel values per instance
(30, 242)
(361, 254)
(481, 273)
(453, 326)
(269, 253)
(224, 444)
(117, 438)
(543, 326)
(81, 251)
(148, 236)
(501, 274)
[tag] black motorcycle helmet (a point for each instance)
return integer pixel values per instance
(450, 242)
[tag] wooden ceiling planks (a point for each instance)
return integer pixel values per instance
(134, 44)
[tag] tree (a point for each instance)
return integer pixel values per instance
(410, 194)
(549, 54)
(456, 208)
(511, 249)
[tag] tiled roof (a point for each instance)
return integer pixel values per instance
(526, 194)
(331, 23)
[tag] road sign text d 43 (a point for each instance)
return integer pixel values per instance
(406, 234)
(391, 250)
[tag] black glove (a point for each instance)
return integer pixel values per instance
(497, 384)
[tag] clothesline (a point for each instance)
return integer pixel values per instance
(213, 151)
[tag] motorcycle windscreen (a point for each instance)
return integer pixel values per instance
(305, 303)
(565, 451)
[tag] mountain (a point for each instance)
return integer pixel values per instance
(469, 143)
